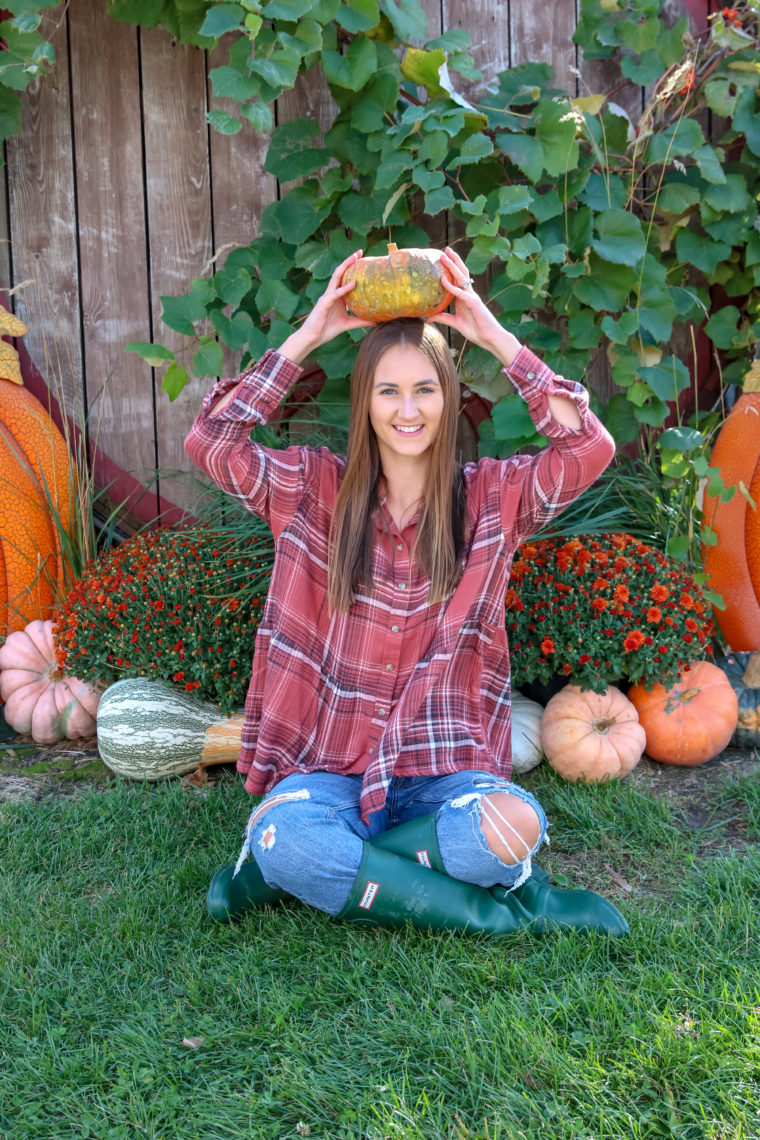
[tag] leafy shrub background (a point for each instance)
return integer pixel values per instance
(598, 235)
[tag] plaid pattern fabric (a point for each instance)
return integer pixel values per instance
(395, 687)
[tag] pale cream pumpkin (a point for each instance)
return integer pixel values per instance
(526, 734)
(589, 736)
(39, 700)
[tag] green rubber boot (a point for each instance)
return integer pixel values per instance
(231, 895)
(417, 839)
(391, 890)
(546, 906)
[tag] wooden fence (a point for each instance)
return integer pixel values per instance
(117, 192)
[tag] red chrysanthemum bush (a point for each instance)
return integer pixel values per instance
(600, 609)
(172, 605)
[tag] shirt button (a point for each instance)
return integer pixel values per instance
(399, 546)
(381, 712)
(531, 375)
(394, 629)
(371, 751)
(402, 585)
(389, 668)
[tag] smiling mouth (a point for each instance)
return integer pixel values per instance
(408, 430)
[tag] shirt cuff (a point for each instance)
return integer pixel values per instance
(535, 382)
(262, 389)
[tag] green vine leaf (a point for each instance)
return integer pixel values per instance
(174, 380)
(228, 83)
(222, 18)
(153, 354)
(290, 10)
(408, 18)
(358, 15)
(621, 239)
(354, 69)
(224, 122)
(292, 151)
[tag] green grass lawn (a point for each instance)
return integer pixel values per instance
(312, 1027)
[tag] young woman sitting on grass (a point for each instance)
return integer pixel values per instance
(377, 721)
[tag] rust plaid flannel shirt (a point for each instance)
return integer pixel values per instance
(395, 687)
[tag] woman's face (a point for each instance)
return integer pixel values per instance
(406, 404)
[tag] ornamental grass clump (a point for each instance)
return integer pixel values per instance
(179, 606)
(603, 608)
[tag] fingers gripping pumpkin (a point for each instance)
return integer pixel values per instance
(405, 283)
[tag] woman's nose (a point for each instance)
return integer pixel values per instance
(409, 407)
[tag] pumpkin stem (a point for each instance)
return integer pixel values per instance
(392, 247)
(751, 678)
(687, 695)
(602, 724)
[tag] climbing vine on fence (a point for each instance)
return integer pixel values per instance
(601, 232)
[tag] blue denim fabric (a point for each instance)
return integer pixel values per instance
(308, 838)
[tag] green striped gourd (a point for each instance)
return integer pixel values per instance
(149, 731)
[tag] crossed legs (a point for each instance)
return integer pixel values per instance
(308, 839)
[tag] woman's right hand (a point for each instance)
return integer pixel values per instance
(328, 319)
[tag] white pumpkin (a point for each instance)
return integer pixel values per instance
(526, 734)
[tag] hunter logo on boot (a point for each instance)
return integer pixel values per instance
(368, 897)
(423, 858)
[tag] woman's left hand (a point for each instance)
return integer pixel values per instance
(471, 317)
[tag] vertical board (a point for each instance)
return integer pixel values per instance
(179, 225)
(543, 33)
(44, 228)
(488, 24)
(5, 259)
(112, 227)
(240, 188)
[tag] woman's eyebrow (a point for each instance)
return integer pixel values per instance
(394, 383)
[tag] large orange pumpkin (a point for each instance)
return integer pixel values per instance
(592, 737)
(36, 478)
(691, 722)
(405, 283)
(733, 563)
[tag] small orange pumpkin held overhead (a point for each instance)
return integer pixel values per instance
(691, 722)
(733, 561)
(36, 478)
(405, 283)
(589, 736)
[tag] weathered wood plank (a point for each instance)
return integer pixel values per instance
(5, 259)
(44, 228)
(241, 189)
(112, 225)
(179, 224)
(543, 33)
(488, 25)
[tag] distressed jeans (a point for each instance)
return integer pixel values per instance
(307, 836)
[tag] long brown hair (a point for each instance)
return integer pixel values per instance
(441, 530)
